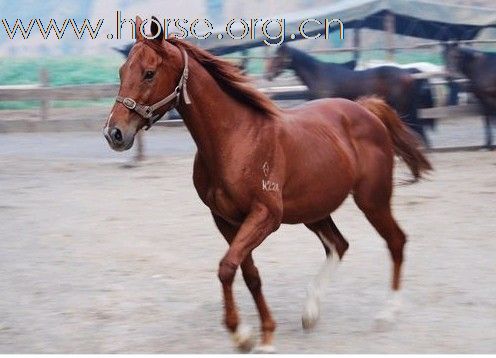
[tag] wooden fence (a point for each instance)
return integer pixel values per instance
(46, 94)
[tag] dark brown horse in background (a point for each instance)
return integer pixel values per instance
(258, 166)
(395, 85)
(480, 68)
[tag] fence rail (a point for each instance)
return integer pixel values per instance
(63, 93)
(46, 95)
(107, 91)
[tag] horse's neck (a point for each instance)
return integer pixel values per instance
(305, 67)
(468, 59)
(309, 68)
(213, 116)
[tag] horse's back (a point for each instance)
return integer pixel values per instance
(343, 123)
(384, 71)
(318, 120)
(337, 114)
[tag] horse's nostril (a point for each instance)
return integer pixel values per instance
(116, 135)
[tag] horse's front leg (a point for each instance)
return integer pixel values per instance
(257, 226)
(254, 284)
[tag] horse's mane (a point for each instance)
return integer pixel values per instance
(228, 76)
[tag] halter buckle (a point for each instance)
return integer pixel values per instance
(129, 103)
(148, 113)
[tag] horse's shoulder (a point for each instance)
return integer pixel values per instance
(200, 173)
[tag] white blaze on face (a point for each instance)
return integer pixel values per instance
(106, 129)
(316, 288)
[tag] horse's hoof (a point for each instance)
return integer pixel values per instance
(265, 349)
(310, 315)
(386, 318)
(243, 338)
(384, 321)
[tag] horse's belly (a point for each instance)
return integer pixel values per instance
(315, 203)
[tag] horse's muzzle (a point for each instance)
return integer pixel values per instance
(117, 140)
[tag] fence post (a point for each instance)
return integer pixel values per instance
(140, 150)
(45, 103)
(245, 61)
(356, 44)
(390, 28)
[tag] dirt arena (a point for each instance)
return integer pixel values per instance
(100, 257)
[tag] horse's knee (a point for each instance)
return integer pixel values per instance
(227, 271)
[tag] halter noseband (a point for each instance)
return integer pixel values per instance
(148, 112)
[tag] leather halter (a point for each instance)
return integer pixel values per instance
(148, 112)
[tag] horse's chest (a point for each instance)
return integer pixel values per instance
(214, 195)
(229, 192)
(222, 204)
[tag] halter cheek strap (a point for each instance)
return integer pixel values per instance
(148, 112)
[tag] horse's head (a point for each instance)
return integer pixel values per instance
(152, 71)
(278, 63)
(452, 57)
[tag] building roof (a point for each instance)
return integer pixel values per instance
(425, 19)
(432, 20)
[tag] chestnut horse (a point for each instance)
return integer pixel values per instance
(259, 166)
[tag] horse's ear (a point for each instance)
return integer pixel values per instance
(139, 34)
(157, 31)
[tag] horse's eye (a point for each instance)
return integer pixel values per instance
(149, 75)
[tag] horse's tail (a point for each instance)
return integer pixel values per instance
(406, 143)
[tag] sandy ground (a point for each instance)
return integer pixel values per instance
(98, 257)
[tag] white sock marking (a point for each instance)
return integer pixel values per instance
(311, 311)
(243, 337)
(265, 349)
(391, 308)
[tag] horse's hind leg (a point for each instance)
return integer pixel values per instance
(489, 132)
(335, 246)
(373, 197)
